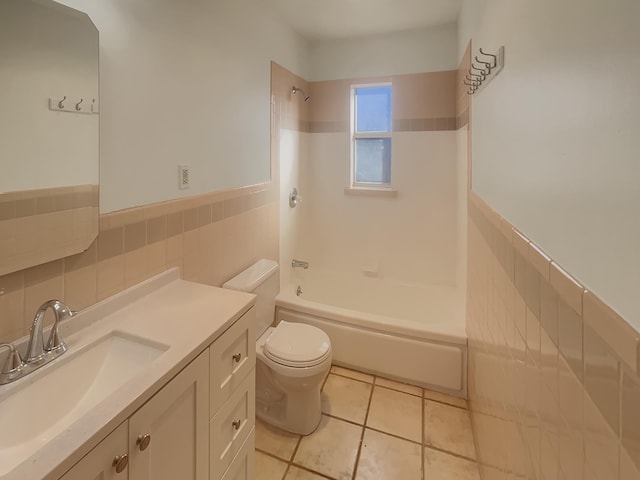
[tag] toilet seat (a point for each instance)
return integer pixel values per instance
(297, 345)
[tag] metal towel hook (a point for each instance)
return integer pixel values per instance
(488, 65)
(61, 102)
(78, 107)
(482, 71)
(495, 57)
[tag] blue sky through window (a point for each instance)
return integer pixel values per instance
(373, 109)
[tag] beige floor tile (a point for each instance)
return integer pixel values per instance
(346, 398)
(402, 387)
(442, 466)
(331, 449)
(275, 441)
(384, 457)
(448, 428)
(441, 397)
(269, 468)
(346, 372)
(296, 473)
(396, 413)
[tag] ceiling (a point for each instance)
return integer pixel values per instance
(332, 19)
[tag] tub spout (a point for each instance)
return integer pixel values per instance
(299, 263)
(299, 291)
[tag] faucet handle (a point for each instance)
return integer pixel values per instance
(13, 361)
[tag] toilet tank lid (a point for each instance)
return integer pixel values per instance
(251, 278)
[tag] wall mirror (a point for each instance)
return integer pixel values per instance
(48, 132)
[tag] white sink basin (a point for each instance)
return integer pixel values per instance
(49, 400)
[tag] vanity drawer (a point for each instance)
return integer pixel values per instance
(243, 466)
(232, 357)
(231, 426)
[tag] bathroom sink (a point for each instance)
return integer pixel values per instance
(46, 402)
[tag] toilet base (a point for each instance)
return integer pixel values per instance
(291, 404)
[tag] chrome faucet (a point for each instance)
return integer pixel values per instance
(299, 263)
(38, 354)
(36, 350)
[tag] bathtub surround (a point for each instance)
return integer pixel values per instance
(211, 237)
(357, 240)
(351, 234)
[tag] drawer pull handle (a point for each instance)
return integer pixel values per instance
(236, 424)
(237, 357)
(121, 462)
(143, 441)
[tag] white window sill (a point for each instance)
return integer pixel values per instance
(371, 191)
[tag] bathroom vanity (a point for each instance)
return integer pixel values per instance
(158, 383)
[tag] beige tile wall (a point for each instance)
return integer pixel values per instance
(553, 372)
(211, 237)
(421, 102)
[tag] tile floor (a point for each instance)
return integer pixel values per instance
(373, 429)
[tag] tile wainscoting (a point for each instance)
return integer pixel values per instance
(210, 237)
(553, 372)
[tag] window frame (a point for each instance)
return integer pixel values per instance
(365, 135)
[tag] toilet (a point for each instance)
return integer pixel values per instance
(292, 359)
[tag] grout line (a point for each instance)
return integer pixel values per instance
(350, 378)
(286, 471)
(400, 391)
(295, 450)
(445, 403)
(366, 417)
(449, 452)
(307, 469)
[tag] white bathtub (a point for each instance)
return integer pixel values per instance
(413, 333)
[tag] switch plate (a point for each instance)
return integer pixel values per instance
(183, 176)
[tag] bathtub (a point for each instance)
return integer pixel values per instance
(411, 333)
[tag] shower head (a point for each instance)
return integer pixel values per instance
(295, 90)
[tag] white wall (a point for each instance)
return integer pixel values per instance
(411, 238)
(414, 51)
(555, 136)
(185, 82)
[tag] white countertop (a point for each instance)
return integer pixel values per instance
(185, 316)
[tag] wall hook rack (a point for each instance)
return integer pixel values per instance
(478, 77)
(69, 105)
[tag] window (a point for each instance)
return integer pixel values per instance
(371, 136)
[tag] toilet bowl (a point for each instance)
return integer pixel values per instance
(292, 359)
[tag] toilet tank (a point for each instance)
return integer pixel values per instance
(261, 279)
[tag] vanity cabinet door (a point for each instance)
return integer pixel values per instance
(104, 460)
(233, 356)
(169, 435)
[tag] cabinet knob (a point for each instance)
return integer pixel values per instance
(236, 424)
(143, 441)
(237, 357)
(121, 462)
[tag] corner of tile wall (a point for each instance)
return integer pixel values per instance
(553, 370)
